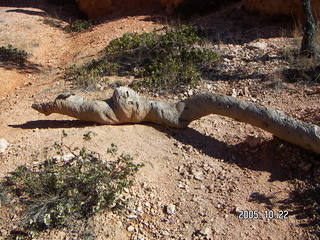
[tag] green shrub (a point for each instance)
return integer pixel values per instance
(11, 54)
(57, 191)
(78, 26)
(52, 22)
(91, 73)
(166, 61)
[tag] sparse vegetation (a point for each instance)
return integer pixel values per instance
(60, 190)
(88, 136)
(163, 61)
(305, 70)
(302, 68)
(11, 54)
(91, 73)
(52, 22)
(78, 26)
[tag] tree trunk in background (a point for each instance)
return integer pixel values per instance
(308, 41)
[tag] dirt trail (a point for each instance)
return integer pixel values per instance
(199, 169)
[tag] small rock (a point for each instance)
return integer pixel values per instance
(258, 45)
(234, 93)
(190, 92)
(3, 145)
(209, 87)
(206, 231)
(147, 205)
(237, 210)
(170, 209)
(165, 233)
(183, 186)
(140, 237)
(246, 92)
(139, 209)
(67, 157)
(131, 228)
(198, 175)
(187, 148)
(98, 86)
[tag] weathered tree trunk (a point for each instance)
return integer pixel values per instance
(126, 106)
(308, 42)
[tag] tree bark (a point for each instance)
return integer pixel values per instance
(126, 106)
(308, 42)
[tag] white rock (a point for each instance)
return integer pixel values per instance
(234, 93)
(140, 237)
(198, 175)
(131, 228)
(67, 157)
(183, 186)
(3, 145)
(246, 92)
(170, 209)
(64, 158)
(209, 87)
(139, 209)
(259, 45)
(147, 205)
(206, 231)
(165, 233)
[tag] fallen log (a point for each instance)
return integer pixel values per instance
(126, 106)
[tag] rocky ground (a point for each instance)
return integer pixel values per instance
(197, 183)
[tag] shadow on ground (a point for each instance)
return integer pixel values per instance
(66, 11)
(303, 203)
(283, 160)
(233, 25)
(238, 26)
(23, 67)
(279, 158)
(44, 124)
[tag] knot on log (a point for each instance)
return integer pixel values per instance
(129, 106)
